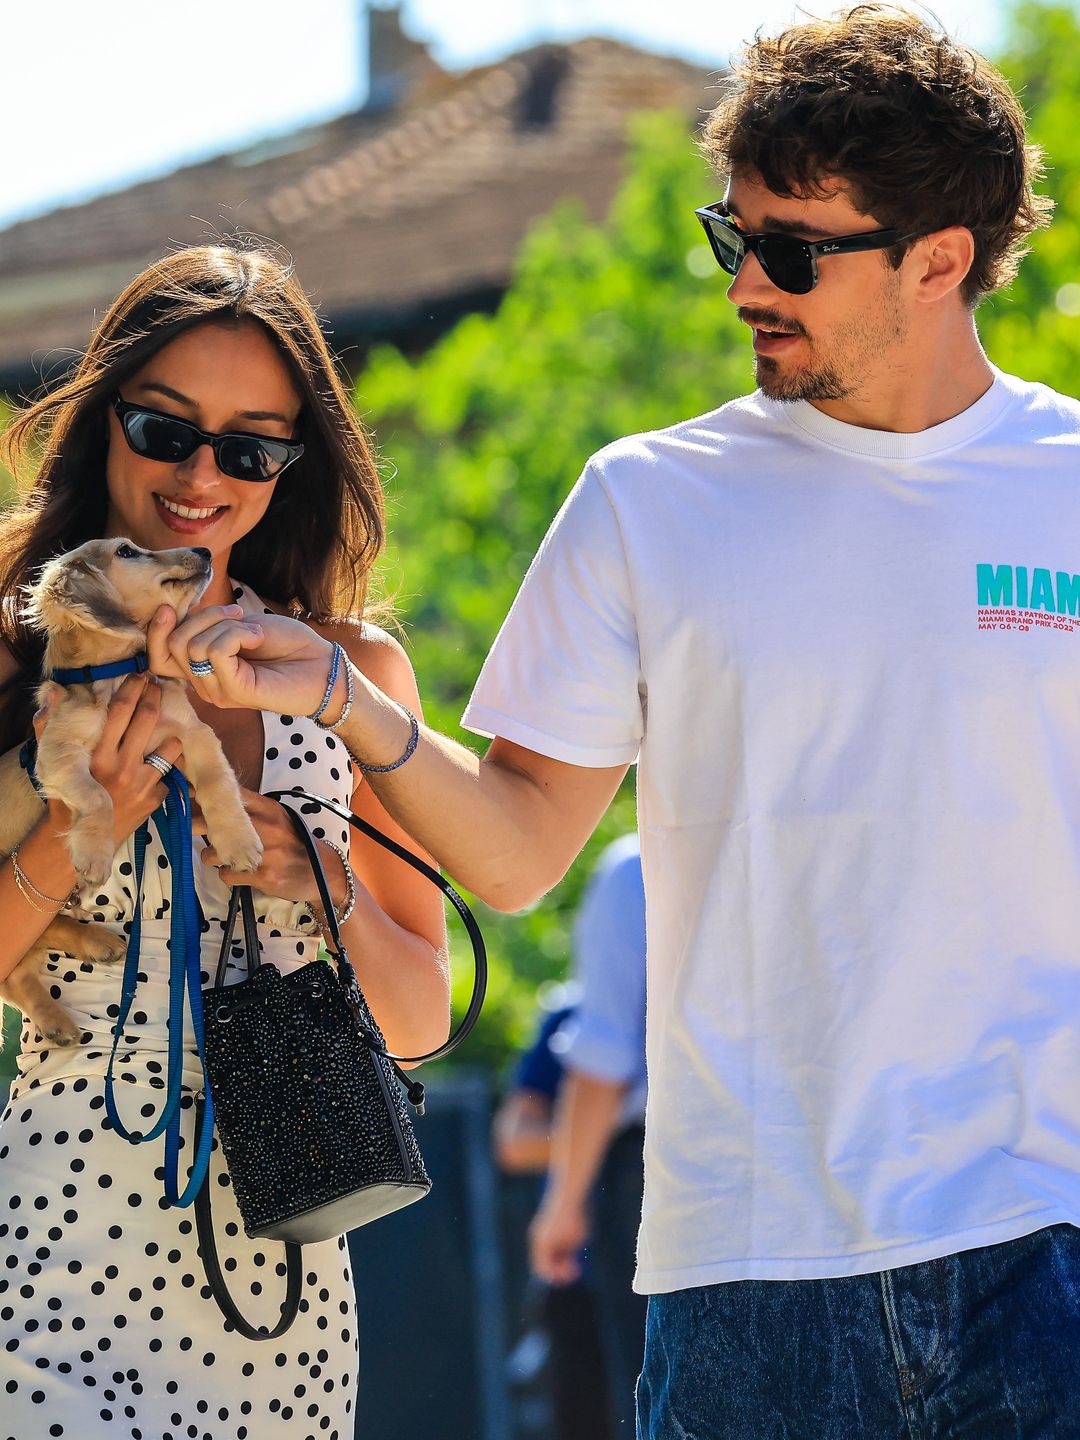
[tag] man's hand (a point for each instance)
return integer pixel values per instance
(291, 664)
(556, 1236)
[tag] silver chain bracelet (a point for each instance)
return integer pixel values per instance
(350, 890)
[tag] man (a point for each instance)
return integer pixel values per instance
(836, 621)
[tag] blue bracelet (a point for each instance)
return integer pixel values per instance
(335, 666)
(413, 740)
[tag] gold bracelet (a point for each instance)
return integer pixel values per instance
(30, 892)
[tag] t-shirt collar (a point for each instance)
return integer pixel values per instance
(889, 444)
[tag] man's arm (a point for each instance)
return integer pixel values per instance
(586, 1119)
(507, 826)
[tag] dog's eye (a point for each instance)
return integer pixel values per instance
(125, 552)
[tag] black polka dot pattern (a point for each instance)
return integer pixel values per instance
(107, 1330)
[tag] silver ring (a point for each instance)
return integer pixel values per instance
(200, 667)
(157, 762)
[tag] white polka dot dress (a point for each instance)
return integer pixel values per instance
(107, 1326)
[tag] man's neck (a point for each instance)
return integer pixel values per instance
(919, 385)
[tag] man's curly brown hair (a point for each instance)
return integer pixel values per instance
(924, 132)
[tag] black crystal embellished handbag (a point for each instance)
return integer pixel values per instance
(307, 1100)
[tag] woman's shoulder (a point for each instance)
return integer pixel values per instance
(373, 650)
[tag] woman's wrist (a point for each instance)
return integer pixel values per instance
(340, 882)
(339, 696)
(43, 854)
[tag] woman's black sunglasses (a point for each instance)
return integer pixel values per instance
(157, 436)
(790, 263)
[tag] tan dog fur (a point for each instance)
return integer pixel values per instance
(94, 605)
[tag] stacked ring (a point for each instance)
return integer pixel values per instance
(158, 762)
(200, 667)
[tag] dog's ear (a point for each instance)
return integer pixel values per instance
(73, 593)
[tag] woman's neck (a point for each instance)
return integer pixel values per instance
(220, 589)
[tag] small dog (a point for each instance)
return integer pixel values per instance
(94, 605)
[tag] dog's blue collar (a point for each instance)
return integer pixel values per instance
(28, 761)
(87, 674)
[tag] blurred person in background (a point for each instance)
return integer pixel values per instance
(562, 1318)
(591, 1203)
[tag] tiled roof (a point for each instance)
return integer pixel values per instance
(385, 214)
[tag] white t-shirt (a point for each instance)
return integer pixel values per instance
(850, 660)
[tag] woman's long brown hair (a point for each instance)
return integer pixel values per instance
(313, 550)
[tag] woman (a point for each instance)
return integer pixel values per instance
(105, 1320)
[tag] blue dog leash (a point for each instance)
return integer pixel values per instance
(172, 820)
(173, 823)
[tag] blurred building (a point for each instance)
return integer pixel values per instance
(401, 216)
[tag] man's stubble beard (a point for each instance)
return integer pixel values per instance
(853, 350)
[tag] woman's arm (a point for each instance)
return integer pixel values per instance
(136, 791)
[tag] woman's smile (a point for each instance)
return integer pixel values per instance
(187, 519)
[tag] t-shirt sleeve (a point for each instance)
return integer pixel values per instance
(606, 1037)
(564, 675)
(540, 1068)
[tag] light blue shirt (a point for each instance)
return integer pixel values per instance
(606, 1038)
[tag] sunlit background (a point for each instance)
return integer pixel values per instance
(94, 95)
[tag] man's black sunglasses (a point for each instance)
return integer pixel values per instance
(157, 436)
(790, 263)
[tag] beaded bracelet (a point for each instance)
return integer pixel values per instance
(335, 666)
(414, 738)
(30, 892)
(333, 725)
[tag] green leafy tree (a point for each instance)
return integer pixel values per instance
(1033, 328)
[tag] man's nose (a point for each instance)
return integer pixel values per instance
(751, 281)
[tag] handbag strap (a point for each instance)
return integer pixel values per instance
(294, 1271)
(240, 899)
(476, 999)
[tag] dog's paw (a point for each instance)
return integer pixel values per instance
(92, 858)
(108, 948)
(239, 847)
(61, 1031)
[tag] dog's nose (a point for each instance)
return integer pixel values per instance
(200, 550)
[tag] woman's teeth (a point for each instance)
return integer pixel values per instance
(186, 512)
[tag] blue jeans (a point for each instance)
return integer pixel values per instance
(984, 1345)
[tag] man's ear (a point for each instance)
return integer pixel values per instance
(73, 594)
(942, 261)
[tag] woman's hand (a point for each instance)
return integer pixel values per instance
(117, 762)
(285, 870)
(290, 667)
